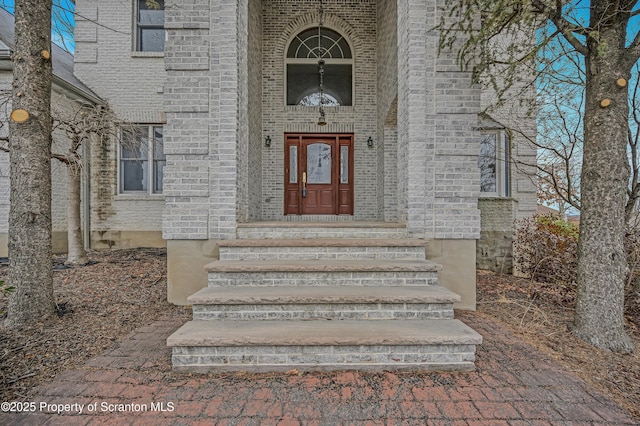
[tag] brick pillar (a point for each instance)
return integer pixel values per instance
(415, 135)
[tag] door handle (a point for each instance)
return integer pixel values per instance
(304, 184)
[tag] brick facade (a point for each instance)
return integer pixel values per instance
(219, 90)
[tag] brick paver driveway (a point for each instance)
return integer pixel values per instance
(133, 384)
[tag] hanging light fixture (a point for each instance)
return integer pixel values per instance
(322, 121)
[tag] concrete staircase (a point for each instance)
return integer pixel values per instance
(323, 303)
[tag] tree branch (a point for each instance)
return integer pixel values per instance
(632, 53)
(567, 29)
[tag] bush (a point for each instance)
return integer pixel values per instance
(546, 250)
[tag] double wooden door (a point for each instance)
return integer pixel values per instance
(318, 174)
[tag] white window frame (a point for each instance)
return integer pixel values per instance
(313, 61)
(503, 168)
(151, 161)
(136, 31)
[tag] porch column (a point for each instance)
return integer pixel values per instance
(416, 124)
(228, 98)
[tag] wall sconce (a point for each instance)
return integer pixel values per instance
(267, 141)
(370, 142)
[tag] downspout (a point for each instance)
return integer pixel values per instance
(86, 195)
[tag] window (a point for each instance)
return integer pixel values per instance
(494, 164)
(150, 33)
(303, 69)
(142, 159)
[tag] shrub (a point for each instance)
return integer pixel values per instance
(546, 250)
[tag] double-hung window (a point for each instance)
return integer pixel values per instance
(493, 162)
(142, 160)
(150, 33)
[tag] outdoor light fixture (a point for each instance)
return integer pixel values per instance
(322, 120)
(370, 142)
(267, 141)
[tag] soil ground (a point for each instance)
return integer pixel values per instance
(126, 289)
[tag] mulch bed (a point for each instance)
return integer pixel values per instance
(125, 289)
(98, 303)
(542, 314)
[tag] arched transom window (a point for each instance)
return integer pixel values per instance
(303, 69)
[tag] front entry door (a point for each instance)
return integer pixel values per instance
(318, 174)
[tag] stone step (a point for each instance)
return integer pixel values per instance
(311, 230)
(323, 248)
(322, 272)
(327, 302)
(261, 346)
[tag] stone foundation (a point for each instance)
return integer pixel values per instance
(494, 249)
(101, 240)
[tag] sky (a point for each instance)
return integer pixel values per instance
(62, 22)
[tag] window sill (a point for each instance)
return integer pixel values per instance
(494, 195)
(137, 54)
(139, 197)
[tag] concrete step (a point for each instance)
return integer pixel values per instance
(312, 230)
(323, 248)
(321, 272)
(326, 302)
(260, 346)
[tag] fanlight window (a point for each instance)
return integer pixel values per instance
(303, 69)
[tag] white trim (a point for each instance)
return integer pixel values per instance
(135, 35)
(149, 192)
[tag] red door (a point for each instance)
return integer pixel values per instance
(318, 174)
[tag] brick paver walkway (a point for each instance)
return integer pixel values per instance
(513, 385)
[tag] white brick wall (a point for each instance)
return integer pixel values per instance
(132, 83)
(61, 104)
(222, 55)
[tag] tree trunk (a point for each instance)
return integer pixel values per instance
(77, 255)
(30, 170)
(602, 263)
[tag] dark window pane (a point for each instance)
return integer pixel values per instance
(159, 159)
(151, 17)
(158, 144)
(303, 82)
(134, 143)
(487, 162)
(133, 175)
(151, 40)
(158, 174)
